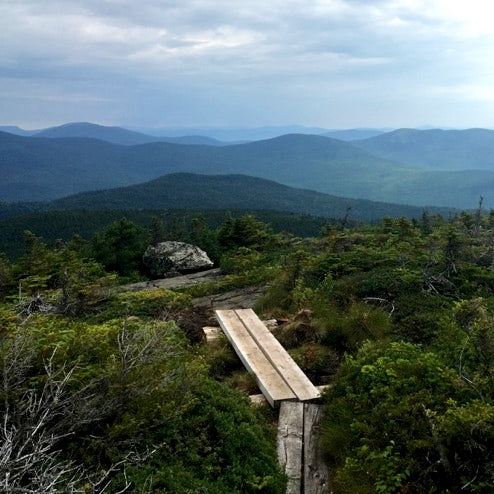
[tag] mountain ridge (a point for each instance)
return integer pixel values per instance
(118, 135)
(437, 149)
(34, 168)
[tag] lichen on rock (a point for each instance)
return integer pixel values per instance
(172, 258)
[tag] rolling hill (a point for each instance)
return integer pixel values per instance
(43, 169)
(177, 197)
(192, 191)
(471, 149)
(13, 129)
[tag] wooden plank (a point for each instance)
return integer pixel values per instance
(316, 473)
(290, 444)
(211, 332)
(272, 385)
(260, 399)
(278, 356)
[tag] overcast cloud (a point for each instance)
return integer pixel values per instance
(173, 63)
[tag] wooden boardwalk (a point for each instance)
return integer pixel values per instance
(277, 374)
(298, 454)
(283, 384)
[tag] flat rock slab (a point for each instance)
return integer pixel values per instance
(242, 297)
(177, 282)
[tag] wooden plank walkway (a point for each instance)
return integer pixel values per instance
(316, 472)
(277, 374)
(298, 454)
(290, 444)
(282, 383)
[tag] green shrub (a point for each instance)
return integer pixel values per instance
(133, 396)
(381, 420)
(346, 330)
(219, 445)
(145, 303)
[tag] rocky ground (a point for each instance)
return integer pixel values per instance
(201, 314)
(177, 282)
(239, 298)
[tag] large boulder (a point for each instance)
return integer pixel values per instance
(168, 259)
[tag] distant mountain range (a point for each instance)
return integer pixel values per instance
(206, 136)
(353, 134)
(210, 137)
(232, 135)
(388, 167)
(115, 135)
(435, 149)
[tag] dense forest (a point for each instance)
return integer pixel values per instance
(110, 390)
(172, 224)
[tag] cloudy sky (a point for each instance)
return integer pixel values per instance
(219, 63)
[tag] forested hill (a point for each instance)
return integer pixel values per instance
(42, 169)
(192, 191)
(184, 195)
(435, 149)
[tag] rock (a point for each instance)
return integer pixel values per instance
(168, 259)
(177, 282)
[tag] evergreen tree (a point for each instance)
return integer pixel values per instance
(120, 247)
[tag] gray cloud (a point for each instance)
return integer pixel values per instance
(324, 62)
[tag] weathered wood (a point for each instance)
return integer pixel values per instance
(278, 356)
(272, 385)
(290, 444)
(260, 399)
(316, 473)
(211, 332)
(271, 324)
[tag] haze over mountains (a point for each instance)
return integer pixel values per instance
(115, 135)
(435, 148)
(421, 168)
(208, 136)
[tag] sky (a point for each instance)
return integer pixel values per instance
(335, 64)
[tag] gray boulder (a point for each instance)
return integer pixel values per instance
(168, 259)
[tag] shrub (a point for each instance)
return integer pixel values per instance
(381, 421)
(145, 303)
